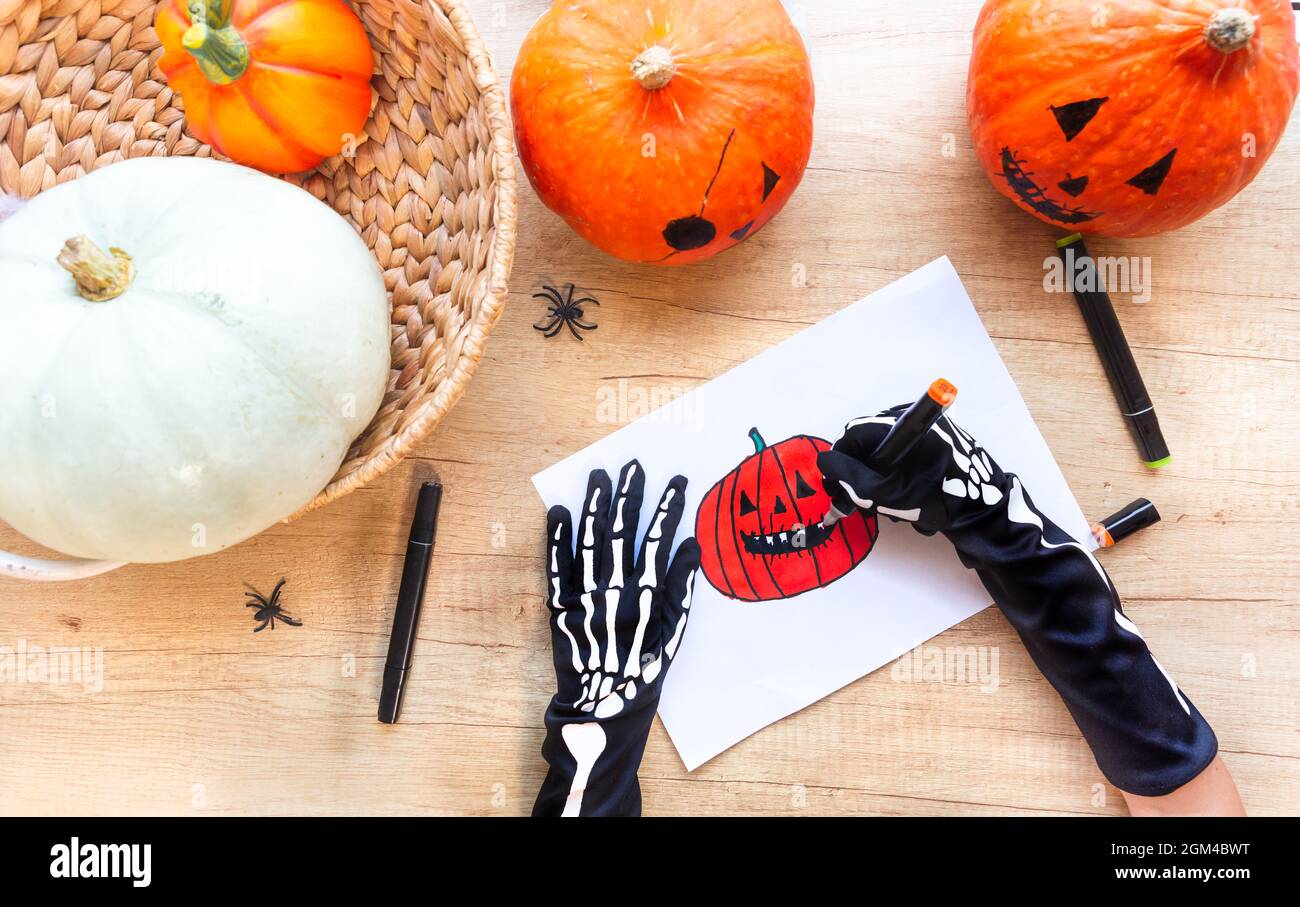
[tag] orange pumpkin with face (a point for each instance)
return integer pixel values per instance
(664, 131)
(760, 528)
(1130, 117)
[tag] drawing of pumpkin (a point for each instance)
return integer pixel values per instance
(760, 530)
(1129, 118)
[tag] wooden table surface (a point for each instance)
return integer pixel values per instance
(199, 716)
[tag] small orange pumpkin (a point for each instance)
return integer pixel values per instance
(279, 85)
(1130, 117)
(664, 131)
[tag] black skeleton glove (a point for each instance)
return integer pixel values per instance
(617, 622)
(1147, 736)
(946, 484)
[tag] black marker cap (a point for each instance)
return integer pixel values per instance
(1119, 526)
(390, 696)
(1150, 441)
(425, 524)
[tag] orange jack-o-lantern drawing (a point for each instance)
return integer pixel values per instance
(1132, 117)
(760, 530)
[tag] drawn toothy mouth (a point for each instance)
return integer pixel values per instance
(1022, 184)
(793, 541)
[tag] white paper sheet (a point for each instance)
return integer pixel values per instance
(743, 666)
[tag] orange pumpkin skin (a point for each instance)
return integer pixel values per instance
(303, 96)
(1134, 124)
(678, 173)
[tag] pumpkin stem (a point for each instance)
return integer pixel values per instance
(217, 47)
(99, 276)
(1230, 30)
(654, 67)
(759, 444)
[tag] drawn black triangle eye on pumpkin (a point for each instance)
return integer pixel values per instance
(746, 505)
(780, 506)
(770, 179)
(801, 488)
(1150, 179)
(1073, 117)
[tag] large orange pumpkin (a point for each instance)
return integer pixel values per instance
(1129, 117)
(664, 131)
(279, 85)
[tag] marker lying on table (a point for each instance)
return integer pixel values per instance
(410, 598)
(1136, 516)
(911, 427)
(1112, 346)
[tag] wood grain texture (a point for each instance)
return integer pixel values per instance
(199, 716)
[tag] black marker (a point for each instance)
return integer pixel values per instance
(910, 428)
(1136, 516)
(1107, 335)
(410, 597)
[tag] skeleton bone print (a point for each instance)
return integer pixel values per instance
(971, 475)
(618, 619)
(612, 666)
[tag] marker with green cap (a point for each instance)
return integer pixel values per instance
(1107, 335)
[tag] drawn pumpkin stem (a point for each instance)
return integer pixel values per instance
(759, 444)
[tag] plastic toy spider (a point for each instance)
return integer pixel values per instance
(268, 609)
(564, 311)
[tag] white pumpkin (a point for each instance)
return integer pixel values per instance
(216, 395)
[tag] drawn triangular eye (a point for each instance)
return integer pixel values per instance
(770, 179)
(1076, 115)
(746, 505)
(801, 489)
(780, 506)
(1150, 179)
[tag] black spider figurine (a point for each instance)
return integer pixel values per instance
(564, 311)
(269, 609)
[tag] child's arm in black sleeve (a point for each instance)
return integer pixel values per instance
(1145, 733)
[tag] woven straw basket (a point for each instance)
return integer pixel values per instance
(430, 188)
